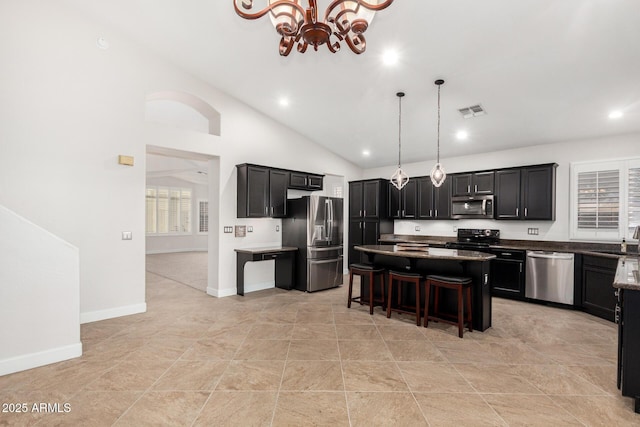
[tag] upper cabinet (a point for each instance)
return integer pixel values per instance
(468, 184)
(367, 199)
(527, 193)
(433, 202)
(403, 203)
(262, 191)
(305, 181)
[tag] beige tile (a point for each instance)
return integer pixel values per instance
(311, 409)
(415, 350)
(557, 380)
(569, 354)
(161, 349)
(530, 410)
(263, 350)
(353, 317)
(384, 409)
(192, 375)
(130, 376)
(364, 350)
(238, 408)
(313, 350)
(252, 375)
(600, 410)
(492, 378)
(434, 377)
(309, 331)
(94, 408)
(511, 351)
(167, 408)
(213, 349)
(322, 317)
(457, 409)
(270, 331)
(357, 332)
(312, 375)
(604, 377)
(276, 316)
(401, 332)
(372, 376)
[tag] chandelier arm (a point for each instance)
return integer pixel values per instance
(374, 7)
(286, 44)
(357, 44)
(248, 5)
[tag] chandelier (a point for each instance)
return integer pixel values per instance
(399, 178)
(438, 174)
(344, 20)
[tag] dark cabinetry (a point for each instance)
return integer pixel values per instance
(305, 181)
(629, 345)
(467, 184)
(403, 203)
(507, 273)
(262, 192)
(367, 215)
(433, 202)
(597, 275)
(526, 193)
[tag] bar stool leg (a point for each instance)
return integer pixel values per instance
(469, 312)
(350, 288)
(418, 302)
(427, 292)
(460, 312)
(389, 291)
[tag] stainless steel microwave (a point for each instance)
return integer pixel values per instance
(472, 207)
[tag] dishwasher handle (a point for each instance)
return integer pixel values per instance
(549, 255)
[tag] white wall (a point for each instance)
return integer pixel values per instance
(68, 109)
(39, 307)
(562, 153)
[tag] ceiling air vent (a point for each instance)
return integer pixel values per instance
(473, 111)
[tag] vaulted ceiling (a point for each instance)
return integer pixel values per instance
(545, 71)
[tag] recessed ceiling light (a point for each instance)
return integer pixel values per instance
(102, 43)
(390, 57)
(462, 135)
(284, 102)
(615, 114)
(366, 153)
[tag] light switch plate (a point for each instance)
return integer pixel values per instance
(249, 229)
(127, 235)
(277, 228)
(228, 229)
(417, 228)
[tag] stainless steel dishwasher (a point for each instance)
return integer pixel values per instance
(549, 276)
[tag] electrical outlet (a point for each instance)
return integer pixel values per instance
(532, 231)
(249, 229)
(127, 235)
(455, 228)
(228, 229)
(417, 228)
(277, 228)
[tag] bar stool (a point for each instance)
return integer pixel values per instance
(459, 284)
(397, 278)
(370, 272)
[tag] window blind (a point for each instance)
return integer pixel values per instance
(203, 216)
(598, 199)
(185, 211)
(151, 210)
(633, 201)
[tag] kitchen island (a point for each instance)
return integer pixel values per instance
(452, 262)
(627, 284)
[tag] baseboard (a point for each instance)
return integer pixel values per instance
(221, 293)
(172, 251)
(95, 316)
(41, 358)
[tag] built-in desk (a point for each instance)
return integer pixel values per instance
(284, 256)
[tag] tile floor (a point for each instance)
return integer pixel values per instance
(278, 358)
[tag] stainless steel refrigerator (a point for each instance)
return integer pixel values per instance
(314, 225)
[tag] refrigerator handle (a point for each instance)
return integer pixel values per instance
(329, 219)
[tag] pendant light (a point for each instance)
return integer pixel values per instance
(438, 174)
(399, 179)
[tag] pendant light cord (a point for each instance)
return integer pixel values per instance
(399, 130)
(438, 152)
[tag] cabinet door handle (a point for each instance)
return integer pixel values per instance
(360, 225)
(468, 189)
(398, 213)
(305, 181)
(517, 210)
(430, 213)
(525, 212)
(402, 212)
(360, 213)
(475, 188)
(436, 213)
(271, 210)
(365, 212)
(520, 268)
(266, 210)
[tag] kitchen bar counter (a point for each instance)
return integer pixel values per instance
(607, 250)
(627, 275)
(446, 262)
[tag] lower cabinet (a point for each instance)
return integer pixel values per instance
(629, 345)
(598, 296)
(507, 273)
(365, 232)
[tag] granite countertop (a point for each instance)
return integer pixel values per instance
(426, 252)
(627, 275)
(264, 250)
(606, 250)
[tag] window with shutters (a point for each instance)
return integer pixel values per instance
(605, 199)
(168, 210)
(203, 216)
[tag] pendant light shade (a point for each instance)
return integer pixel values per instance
(399, 178)
(438, 175)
